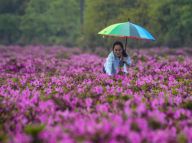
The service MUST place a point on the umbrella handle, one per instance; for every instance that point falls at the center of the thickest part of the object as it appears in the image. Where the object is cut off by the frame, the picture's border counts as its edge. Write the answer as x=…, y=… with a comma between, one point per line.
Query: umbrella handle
x=125, y=44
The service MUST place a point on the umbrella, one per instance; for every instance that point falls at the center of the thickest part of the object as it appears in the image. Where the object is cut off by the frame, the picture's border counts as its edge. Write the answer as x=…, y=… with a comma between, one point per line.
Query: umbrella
x=127, y=30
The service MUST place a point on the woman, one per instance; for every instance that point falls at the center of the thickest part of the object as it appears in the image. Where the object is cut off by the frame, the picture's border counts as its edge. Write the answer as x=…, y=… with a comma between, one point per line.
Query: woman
x=116, y=60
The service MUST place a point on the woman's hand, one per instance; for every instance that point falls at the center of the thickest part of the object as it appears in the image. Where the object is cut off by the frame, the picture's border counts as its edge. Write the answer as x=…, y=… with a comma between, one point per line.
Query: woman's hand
x=121, y=58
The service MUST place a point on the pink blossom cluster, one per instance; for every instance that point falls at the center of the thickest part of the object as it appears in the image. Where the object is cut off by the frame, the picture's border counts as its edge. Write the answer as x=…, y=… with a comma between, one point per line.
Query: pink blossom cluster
x=54, y=94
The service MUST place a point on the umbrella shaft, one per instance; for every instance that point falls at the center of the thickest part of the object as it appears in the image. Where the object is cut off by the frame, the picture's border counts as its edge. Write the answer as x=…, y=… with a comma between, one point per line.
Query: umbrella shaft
x=125, y=44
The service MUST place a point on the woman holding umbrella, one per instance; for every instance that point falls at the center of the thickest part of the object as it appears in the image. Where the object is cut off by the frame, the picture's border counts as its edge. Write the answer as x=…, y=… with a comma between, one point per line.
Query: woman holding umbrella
x=117, y=60
x=118, y=57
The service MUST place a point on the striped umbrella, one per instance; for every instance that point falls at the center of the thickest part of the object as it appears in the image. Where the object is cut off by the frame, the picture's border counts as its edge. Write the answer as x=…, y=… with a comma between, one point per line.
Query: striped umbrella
x=127, y=30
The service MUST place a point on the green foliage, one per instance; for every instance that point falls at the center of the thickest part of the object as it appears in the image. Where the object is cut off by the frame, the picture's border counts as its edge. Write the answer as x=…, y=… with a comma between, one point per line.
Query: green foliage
x=174, y=91
x=13, y=6
x=99, y=14
x=175, y=22
x=154, y=124
x=181, y=138
x=49, y=22
x=187, y=105
x=16, y=80
x=9, y=31
x=169, y=20
x=76, y=23
x=3, y=136
x=2, y=81
x=135, y=127
x=10, y=17
x=111, y=98
x=34, y=129
x=145, y=87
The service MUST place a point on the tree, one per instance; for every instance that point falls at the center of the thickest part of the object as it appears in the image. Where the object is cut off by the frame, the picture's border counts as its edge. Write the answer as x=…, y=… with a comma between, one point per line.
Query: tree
x=99, y=14
x=77, y=22
x=10, y=16
x=168, y=20
x=48, y=21
x=173, y=21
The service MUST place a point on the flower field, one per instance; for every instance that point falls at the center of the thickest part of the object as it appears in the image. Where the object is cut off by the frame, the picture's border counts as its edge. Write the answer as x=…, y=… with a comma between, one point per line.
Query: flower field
x=55, y=94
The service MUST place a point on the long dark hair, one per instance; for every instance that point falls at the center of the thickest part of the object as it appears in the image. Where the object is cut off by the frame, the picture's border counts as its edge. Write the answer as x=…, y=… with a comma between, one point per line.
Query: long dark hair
x=121, y=45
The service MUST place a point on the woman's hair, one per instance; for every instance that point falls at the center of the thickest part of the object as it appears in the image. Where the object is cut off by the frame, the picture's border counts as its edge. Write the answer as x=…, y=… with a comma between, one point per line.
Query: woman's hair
x=121, y=45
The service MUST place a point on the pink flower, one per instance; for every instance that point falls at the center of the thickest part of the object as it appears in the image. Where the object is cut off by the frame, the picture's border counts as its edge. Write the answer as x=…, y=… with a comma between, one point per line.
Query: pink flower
x=134, y=137
x=21, y=138
x=98, y=89
x=102, y=107
x=141, y=108
x=88, y=102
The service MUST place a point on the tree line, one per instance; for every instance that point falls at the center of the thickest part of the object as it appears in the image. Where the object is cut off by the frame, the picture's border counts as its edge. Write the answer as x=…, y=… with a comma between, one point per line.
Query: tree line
x=77, y=22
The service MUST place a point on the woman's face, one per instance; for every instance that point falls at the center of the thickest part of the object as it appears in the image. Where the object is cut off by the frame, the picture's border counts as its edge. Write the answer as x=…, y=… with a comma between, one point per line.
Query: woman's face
x=118, y=50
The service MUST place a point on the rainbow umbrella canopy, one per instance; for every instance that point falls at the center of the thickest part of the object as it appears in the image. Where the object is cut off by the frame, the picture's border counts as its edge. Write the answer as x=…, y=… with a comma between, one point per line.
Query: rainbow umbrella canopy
x=127, y=30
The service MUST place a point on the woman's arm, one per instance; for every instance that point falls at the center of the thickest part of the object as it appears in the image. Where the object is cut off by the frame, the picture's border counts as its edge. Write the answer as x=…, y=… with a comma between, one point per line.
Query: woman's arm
x=109, y=67
x=127, y=60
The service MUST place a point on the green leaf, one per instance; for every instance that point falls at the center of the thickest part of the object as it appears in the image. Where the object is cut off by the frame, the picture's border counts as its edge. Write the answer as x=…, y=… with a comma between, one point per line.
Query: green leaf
x=187, y=105
x=181, y=138
x=34, y=129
